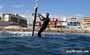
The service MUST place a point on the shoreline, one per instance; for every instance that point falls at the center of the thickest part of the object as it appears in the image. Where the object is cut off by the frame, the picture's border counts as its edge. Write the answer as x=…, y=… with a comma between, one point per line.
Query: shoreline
x=47, y=31
x=52, y=33
x=44, y=34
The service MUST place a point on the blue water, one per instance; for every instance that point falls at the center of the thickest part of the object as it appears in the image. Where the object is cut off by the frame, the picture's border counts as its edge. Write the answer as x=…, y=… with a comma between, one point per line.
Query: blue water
x=47, y=45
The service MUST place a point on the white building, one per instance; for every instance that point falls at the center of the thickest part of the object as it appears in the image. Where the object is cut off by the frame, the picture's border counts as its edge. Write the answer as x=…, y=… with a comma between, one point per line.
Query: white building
x=8, y=19
x=62, y=22
x=73, y=23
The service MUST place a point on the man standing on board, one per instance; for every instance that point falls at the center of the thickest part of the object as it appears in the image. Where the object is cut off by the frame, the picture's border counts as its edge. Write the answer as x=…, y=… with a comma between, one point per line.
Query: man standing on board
x=45, y=23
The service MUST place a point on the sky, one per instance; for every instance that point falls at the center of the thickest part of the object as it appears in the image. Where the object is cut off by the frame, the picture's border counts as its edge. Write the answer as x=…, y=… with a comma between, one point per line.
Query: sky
x=54, y=7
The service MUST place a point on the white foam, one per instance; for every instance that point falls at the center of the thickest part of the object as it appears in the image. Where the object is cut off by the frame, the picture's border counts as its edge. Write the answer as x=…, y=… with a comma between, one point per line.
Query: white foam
x=22, y=34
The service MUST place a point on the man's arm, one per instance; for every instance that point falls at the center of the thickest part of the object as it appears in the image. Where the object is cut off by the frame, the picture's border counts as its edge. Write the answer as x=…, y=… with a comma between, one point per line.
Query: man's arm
x=41, y=17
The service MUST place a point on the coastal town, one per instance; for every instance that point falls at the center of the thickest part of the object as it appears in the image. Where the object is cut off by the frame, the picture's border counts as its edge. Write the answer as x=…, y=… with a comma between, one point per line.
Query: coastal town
x=73, y=24
x=44, y=27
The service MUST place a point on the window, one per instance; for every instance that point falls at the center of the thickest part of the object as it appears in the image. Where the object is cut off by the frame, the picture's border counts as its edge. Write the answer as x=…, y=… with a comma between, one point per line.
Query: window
x=13, y=19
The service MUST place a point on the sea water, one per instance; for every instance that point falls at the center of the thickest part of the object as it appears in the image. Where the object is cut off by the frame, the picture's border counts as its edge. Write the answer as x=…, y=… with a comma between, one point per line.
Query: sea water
x=62, y=44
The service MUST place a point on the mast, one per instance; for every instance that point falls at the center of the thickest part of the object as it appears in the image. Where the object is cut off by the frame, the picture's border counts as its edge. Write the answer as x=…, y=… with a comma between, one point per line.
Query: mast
x=35, y=16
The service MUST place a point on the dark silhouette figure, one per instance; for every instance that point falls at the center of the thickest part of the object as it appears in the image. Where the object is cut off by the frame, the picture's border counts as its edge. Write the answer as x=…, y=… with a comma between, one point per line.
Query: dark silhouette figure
x=45, y=23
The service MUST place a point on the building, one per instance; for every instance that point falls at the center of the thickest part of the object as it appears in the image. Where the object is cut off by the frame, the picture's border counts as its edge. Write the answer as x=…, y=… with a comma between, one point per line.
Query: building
x=62, y=22
x=8, y=19
x=85, y=24
x=53, y=22
x=73, y=23
x=12, y=22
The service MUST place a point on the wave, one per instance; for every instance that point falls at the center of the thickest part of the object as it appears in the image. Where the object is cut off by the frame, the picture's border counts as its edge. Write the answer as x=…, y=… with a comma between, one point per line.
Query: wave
x=44, y=34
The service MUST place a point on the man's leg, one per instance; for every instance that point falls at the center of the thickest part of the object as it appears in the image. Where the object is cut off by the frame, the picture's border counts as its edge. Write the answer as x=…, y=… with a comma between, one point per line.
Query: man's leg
x=41, y=30
x=39, y=34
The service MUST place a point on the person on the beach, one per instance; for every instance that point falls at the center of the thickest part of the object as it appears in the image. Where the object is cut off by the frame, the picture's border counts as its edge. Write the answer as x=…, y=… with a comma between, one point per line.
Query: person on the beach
x=45, y=23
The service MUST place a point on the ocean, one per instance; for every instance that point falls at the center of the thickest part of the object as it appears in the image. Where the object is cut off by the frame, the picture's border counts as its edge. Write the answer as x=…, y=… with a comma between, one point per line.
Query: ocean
x=62, y=44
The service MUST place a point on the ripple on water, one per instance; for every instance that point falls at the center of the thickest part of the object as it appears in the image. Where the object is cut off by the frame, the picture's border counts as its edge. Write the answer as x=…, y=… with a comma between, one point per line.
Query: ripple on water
x=47, y=45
